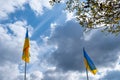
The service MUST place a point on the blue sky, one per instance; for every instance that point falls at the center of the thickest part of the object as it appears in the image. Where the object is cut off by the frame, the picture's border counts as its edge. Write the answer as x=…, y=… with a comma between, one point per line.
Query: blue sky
x=56, y=43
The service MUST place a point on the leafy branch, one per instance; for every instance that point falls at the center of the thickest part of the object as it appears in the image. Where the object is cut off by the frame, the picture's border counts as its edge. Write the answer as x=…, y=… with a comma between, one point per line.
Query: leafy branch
x=92, y=14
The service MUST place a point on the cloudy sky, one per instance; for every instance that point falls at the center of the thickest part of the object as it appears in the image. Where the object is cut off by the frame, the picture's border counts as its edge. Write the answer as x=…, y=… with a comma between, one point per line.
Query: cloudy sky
x=56, y=43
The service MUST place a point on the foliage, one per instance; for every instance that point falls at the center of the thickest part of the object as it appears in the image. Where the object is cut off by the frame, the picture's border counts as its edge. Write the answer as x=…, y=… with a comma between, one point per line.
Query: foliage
x=92, y=14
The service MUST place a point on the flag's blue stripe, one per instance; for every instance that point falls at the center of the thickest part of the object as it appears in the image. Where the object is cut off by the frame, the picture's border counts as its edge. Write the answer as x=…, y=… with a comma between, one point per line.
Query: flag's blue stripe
x=89, y=61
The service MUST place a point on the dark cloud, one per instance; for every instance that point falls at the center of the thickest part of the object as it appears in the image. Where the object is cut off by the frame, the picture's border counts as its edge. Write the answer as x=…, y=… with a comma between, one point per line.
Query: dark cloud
x=50, y=75
x=112, y=75
x=56, y=75
x=70, y=41
x=104, y=49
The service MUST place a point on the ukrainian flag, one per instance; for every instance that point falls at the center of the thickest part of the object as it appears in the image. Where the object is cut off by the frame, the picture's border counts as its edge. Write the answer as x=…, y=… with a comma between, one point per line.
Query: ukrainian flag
x=88, y=63
x=26, y=54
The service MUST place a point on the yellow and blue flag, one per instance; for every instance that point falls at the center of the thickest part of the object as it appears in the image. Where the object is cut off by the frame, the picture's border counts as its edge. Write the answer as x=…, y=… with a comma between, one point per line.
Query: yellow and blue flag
x=26, y=54
x=88, y=63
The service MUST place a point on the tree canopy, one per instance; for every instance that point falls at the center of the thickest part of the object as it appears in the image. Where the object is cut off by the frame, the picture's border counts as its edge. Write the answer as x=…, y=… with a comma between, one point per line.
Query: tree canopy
x=92, y=14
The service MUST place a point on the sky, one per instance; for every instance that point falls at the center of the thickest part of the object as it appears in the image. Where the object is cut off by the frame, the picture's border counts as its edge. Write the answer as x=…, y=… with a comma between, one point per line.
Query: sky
x=56, y=44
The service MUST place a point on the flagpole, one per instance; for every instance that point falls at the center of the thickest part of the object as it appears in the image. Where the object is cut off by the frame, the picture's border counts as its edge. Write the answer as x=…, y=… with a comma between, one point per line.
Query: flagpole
x=25, y=55
x=25, y=71
x=87, y=74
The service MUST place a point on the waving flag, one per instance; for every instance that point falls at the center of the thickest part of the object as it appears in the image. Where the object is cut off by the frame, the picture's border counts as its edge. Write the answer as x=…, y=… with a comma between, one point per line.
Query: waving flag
x=88, y=63
x=26, y=54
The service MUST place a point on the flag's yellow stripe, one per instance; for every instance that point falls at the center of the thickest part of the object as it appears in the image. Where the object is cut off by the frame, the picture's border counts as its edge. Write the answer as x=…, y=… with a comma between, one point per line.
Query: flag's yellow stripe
x=88, y=67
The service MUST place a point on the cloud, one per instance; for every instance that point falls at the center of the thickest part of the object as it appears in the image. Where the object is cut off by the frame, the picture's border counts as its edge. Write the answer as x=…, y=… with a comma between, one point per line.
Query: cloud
x=11, y=40
x=66, y=59
x=58, y=56
x=11, y=36
x=112, y=75
x=36, y=75
x=104, y=49
x=9, y=71
x=59, y=75
x=69, y=16
x=38, y=5
x=9, y=6
x=69, y=75
x=69, y=39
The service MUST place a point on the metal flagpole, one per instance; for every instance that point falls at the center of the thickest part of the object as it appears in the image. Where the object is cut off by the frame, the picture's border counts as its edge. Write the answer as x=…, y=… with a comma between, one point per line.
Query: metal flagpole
x=87, y=74
x=25, y=71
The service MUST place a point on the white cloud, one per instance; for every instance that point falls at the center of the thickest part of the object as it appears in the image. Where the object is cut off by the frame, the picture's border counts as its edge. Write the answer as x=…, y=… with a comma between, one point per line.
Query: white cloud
x=89, y=34
x=9, y=45
x=9, y=71
x=11, y=40
x=38, y=5
x=18, y=28
x=36, y=75
x=53, y=27
x=9, y=6
x=12, y=37
x=69, y=15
